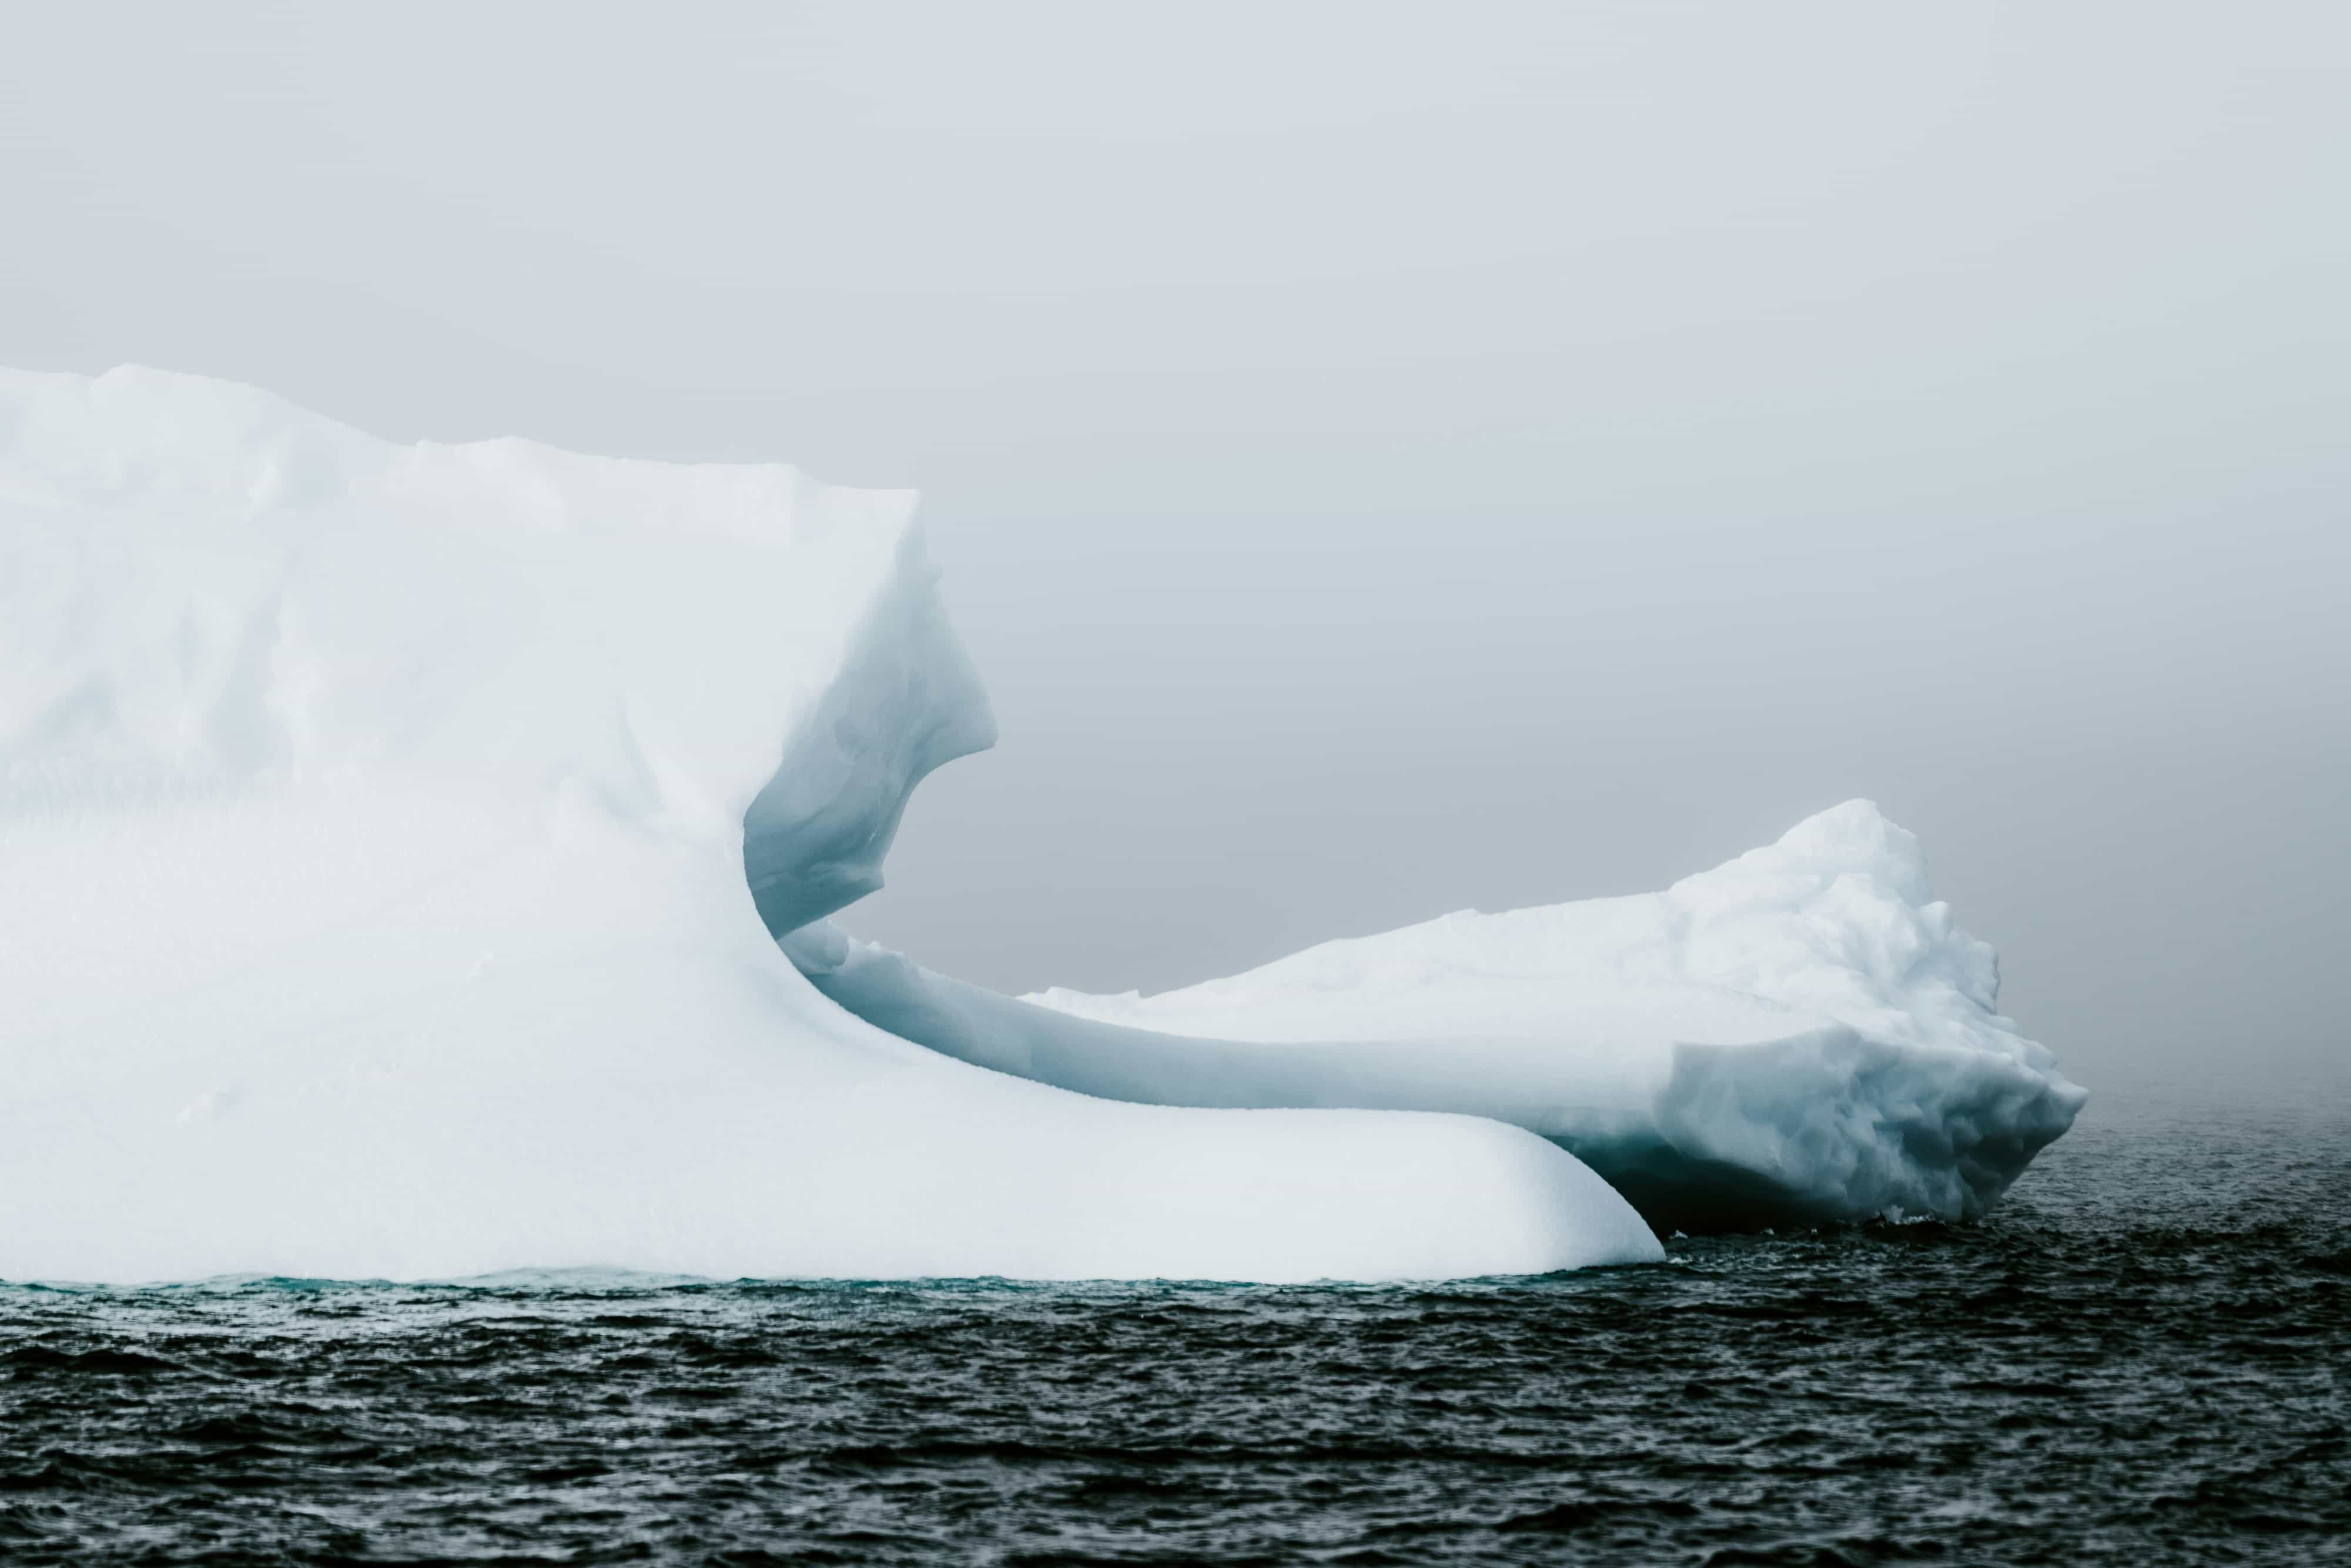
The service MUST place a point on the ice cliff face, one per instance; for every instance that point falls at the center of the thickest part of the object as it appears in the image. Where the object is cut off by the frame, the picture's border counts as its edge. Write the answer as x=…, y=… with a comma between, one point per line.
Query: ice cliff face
x=389, y=838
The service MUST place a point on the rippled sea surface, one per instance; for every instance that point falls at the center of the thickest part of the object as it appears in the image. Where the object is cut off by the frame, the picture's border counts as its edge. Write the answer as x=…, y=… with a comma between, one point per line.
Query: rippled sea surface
x=2143, y=1357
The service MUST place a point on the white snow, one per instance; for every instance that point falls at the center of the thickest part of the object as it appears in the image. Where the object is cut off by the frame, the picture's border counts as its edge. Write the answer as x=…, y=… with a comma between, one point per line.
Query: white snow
x=1801, y=1033
x=385, y=839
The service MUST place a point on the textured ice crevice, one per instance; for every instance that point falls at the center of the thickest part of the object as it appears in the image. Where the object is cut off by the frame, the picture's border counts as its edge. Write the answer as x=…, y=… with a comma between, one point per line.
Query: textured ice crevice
x=906, y=701
x=388, y=837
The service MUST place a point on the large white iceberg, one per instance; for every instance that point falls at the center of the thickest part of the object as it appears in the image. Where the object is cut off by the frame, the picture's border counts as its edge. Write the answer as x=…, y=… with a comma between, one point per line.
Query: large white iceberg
x=1802, y=1034
x=396, y=844
x=392, y=844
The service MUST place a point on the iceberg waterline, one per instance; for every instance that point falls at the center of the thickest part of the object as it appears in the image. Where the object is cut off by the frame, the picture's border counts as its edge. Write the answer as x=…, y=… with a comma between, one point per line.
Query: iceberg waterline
x=393, y=846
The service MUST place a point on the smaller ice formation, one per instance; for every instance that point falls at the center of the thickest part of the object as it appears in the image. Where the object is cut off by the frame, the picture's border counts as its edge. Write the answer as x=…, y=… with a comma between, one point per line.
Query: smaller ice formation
x=1801, y=1033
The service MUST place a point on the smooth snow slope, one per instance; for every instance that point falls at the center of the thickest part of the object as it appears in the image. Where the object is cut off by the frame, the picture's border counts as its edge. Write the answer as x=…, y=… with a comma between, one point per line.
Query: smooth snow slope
x=390, y=840
x=1800, y=1034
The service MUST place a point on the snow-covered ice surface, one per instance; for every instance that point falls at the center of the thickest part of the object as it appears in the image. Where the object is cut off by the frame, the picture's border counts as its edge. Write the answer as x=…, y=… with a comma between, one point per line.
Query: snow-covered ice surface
x=1802, y=1034
x=392, y=844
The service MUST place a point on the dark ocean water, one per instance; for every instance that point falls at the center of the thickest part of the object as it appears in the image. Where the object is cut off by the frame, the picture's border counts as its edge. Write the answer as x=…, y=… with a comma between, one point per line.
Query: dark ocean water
x=2143, y=1357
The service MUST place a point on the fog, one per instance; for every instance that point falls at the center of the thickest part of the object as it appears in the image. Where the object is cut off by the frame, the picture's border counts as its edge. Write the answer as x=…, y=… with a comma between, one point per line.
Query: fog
x=1387, y=460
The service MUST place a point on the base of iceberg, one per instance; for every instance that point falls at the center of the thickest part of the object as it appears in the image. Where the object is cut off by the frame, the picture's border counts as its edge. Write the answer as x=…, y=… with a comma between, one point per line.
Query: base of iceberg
x=415, y=863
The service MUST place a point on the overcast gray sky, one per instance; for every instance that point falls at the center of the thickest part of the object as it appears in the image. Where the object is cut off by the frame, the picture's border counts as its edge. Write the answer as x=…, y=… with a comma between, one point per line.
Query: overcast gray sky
x=1387, y=459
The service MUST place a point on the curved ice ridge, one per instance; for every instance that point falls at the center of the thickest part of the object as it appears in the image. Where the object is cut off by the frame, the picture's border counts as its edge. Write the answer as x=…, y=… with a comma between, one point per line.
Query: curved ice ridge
x=390, y=842
x=1801, y=1034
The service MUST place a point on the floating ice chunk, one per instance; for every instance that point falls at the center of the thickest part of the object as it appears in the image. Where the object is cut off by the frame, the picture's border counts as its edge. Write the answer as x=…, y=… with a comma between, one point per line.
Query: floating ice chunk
x=389, y=840
x=1801, y=1033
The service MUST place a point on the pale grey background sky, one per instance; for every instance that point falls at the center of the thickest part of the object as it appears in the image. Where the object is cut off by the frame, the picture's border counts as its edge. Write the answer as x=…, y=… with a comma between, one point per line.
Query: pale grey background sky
x=1387, y=459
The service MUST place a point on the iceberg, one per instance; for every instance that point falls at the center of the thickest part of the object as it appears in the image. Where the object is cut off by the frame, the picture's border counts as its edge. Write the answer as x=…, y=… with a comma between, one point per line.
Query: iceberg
x=394, y=843
x=1800, y=1035
x=418, y=862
